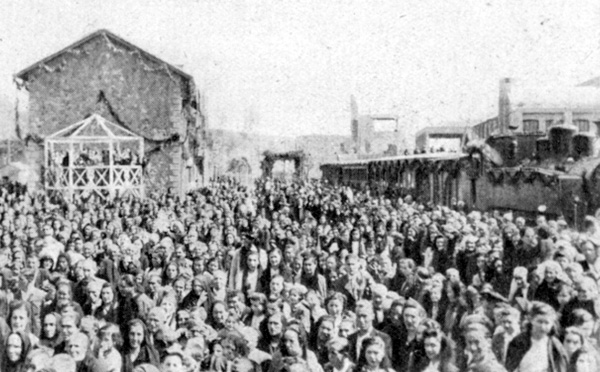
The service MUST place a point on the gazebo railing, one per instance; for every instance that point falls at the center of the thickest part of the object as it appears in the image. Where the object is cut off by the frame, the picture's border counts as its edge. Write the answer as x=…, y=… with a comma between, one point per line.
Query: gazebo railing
x=116, y=179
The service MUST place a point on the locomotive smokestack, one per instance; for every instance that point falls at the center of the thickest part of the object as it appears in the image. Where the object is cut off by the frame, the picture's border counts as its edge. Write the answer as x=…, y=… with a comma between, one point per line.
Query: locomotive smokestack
x=504, y=105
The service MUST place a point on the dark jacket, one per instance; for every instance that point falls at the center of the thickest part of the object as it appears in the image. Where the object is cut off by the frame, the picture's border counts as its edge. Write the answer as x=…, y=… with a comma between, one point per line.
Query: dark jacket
x=520, y=345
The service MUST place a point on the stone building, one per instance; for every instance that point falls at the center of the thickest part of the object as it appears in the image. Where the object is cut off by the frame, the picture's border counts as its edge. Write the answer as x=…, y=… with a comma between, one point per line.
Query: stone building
x=105, y=74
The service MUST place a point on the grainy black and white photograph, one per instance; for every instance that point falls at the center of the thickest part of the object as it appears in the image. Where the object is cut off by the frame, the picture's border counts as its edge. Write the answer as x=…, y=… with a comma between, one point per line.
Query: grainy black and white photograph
x=299, y=186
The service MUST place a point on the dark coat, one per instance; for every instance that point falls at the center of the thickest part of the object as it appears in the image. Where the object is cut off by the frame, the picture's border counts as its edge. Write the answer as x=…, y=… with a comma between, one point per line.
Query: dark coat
x=520, y=345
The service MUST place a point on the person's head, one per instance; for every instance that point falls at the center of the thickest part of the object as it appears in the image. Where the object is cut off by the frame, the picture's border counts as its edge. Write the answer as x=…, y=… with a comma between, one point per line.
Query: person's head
x=552, y=270
x=16, y=347
x=412, y=315
x=50, y=326
x=157, y=318
x=338, y=350
x=173, y=361
x=310, y=263
x=588, y=249
x=542, y=318
x=352, y=264
x=136, y=334
x=275, y=324
x=379, y=292
x=335, y=303
x=63, y=293
x=275, y=258
x=109, y=337
x=585, y=360
x=511, y=320
x=37, y=359
x=89, y=268
x=19, y=316
x=477, y=341
x=573, y=340
x=258, y=302
x=372, y=354
x=587, y=289
x=69, y=324
x=364, y=315
x=171, y=271
x=293, y=342
x=219, y=312
x=565, y=293
x=276, y=285
x=154, y=283
x=520, y=276
x=346, y=327
x=77, y=346
x=252, y=261
x=326, y=328
x=584, y=321
x=435, y=344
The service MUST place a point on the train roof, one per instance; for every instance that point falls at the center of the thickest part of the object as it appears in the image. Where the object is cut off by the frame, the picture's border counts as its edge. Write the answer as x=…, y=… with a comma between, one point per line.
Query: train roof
x=433, y=156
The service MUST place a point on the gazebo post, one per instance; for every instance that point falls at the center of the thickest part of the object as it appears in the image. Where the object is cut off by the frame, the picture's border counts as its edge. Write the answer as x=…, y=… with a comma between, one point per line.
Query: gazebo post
x=141, y=160
x=47, y=146
x=111, y=185
x=71, y=186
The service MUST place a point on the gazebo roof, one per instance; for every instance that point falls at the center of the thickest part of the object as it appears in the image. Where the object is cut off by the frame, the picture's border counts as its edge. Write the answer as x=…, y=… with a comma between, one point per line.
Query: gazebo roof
x=94, y=127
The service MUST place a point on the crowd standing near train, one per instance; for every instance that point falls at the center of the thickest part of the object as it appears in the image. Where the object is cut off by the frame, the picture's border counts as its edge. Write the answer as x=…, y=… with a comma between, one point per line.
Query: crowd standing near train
x=291, y=276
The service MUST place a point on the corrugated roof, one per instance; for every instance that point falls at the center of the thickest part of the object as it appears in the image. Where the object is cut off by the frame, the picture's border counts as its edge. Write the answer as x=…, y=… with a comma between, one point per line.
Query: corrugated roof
x=429, y=156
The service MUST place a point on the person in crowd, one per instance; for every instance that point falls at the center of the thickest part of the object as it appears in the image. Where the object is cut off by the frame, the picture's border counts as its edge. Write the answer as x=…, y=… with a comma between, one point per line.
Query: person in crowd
x=137, y=346
x=338, y=356
x=107, y=350
x=373, y=356
x=16, y=346
x=537, y=348
x=573, y=341
x=315, y=271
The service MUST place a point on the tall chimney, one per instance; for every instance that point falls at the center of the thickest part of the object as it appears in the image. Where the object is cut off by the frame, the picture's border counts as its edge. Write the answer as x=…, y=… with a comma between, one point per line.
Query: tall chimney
x=504, y=105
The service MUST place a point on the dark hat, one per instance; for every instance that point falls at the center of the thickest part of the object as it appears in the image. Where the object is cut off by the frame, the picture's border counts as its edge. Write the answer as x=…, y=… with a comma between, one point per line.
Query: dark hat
x=490, y=294
x=423, y=273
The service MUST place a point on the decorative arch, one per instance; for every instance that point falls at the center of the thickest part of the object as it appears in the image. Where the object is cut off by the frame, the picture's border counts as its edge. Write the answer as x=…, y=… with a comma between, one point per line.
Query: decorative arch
x=299, y=158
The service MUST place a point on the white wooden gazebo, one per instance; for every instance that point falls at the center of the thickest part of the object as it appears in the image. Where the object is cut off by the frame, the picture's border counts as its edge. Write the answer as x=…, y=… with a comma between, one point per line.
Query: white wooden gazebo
x=94, y=157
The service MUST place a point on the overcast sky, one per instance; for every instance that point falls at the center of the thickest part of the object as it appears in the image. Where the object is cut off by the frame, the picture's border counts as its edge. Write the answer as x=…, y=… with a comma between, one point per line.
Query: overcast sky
x=292, y=65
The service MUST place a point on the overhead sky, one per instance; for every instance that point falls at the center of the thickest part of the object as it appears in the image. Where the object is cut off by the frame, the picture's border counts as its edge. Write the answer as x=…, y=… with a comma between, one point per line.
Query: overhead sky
x=289, y=67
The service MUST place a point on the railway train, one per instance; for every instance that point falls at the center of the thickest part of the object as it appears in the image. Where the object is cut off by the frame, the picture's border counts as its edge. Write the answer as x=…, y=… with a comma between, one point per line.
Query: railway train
x=512, y=171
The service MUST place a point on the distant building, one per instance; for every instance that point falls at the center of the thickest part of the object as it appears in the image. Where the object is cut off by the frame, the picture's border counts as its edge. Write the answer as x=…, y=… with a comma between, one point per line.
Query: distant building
x=450, y=138
x=104, y=74
x=534, y=109
x=374, y=134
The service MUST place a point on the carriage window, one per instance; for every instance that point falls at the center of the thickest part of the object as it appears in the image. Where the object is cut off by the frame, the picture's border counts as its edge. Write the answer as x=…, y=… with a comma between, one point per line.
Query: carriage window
x=531, y=126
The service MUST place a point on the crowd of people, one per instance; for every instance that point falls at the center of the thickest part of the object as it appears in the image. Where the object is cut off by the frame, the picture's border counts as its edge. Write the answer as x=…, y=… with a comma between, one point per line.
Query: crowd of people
x=291, y=276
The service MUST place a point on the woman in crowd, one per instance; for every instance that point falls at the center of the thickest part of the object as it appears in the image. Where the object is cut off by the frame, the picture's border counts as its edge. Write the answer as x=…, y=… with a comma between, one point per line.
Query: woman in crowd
x=137, y=346
x=271, y=340
x=51, y=335
x=294, y=345
x=372, y=357
x=108, y=310
x=439, y=353
x=537, y=349
x=16, y=346
x=573, y=341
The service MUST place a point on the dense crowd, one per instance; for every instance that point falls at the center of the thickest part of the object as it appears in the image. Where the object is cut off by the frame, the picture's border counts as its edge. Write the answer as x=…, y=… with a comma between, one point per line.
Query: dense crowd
x=298, y=277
